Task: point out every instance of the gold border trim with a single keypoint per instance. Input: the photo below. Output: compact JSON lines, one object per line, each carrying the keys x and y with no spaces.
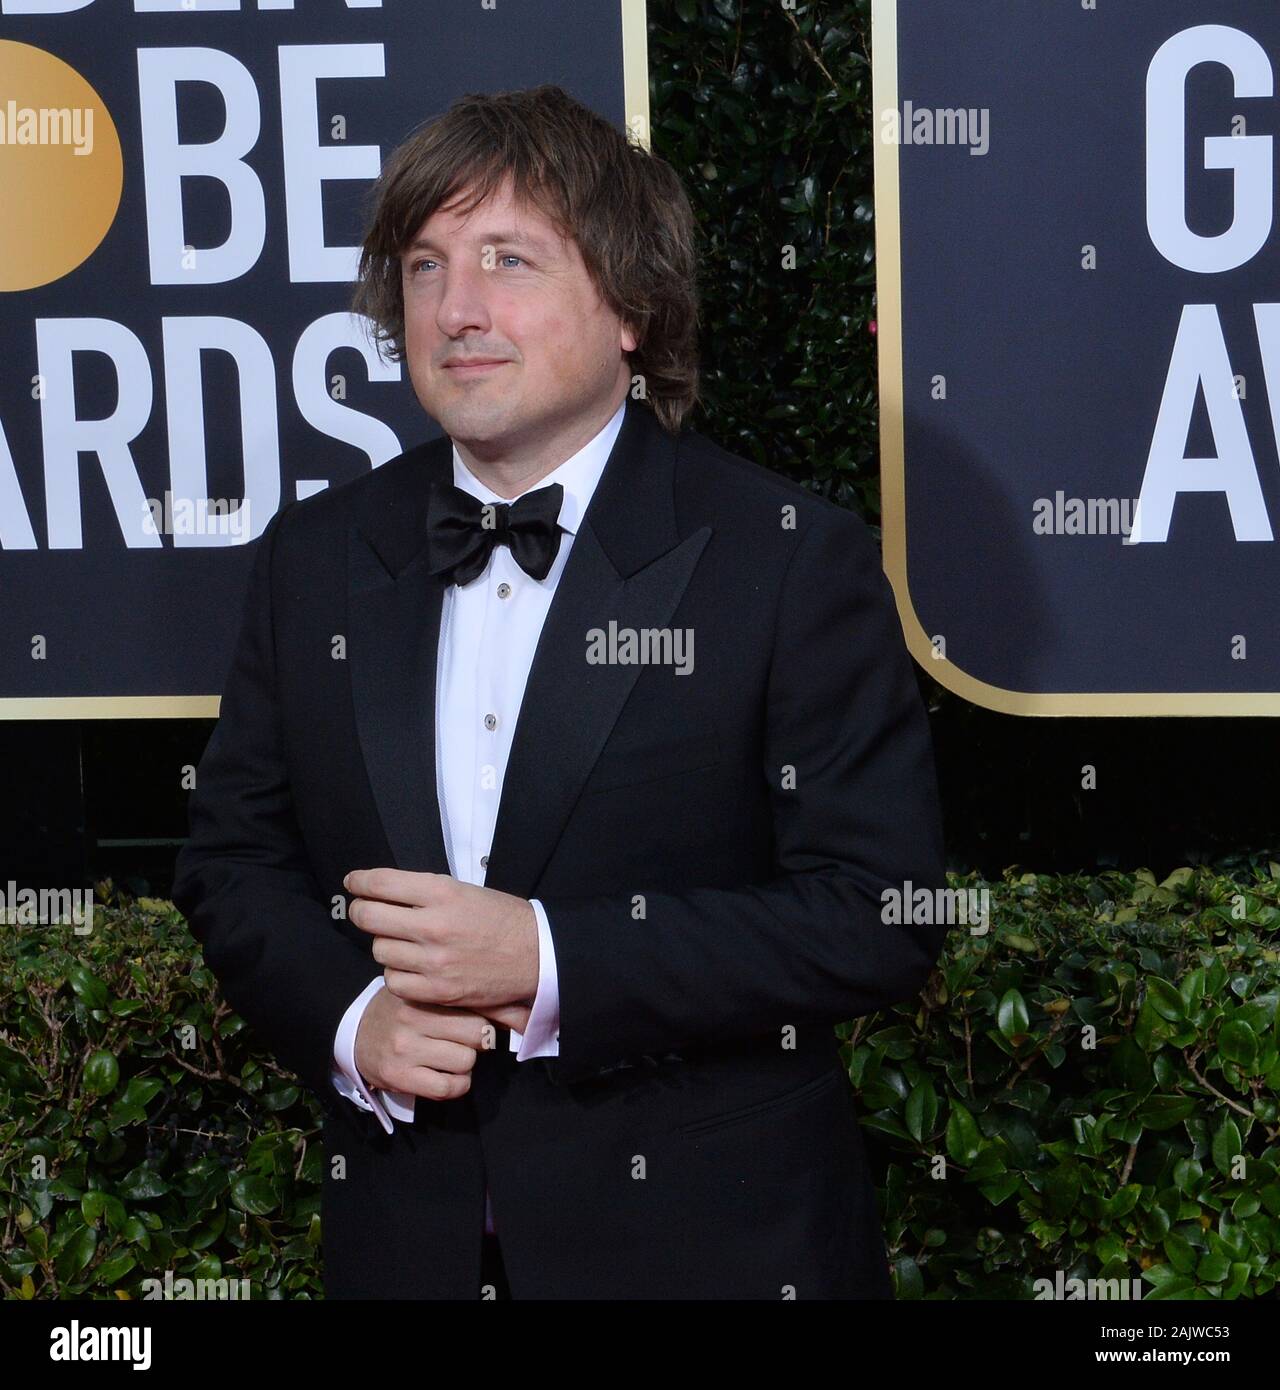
{"x":635,"y":67}
{"x":635,"y":96}
{"x":884,"y":78}
{"x":111,"y":707}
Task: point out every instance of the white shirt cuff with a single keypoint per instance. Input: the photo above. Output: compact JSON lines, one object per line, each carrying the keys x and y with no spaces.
{"x":346,"y":1077}
{"x":541,"y":1037}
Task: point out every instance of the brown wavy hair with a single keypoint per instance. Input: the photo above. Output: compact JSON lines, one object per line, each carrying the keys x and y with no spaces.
{"x":624,"y":207}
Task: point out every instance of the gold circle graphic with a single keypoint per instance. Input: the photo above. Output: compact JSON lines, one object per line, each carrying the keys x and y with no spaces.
{"x":57,"y":203}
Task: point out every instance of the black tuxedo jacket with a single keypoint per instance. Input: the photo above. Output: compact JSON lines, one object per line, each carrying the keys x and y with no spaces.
{"x":710,"y":849}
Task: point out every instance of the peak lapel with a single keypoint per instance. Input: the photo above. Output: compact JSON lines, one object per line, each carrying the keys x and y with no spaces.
{"x":393,"y":621}
{"x":627,"y":564}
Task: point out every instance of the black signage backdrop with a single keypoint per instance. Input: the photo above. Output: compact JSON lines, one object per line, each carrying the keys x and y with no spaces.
{"x":124,"y":621}
{"x":1055,"y":373}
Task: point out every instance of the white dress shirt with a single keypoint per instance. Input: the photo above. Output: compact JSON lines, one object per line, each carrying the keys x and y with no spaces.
{"x":489,"y":630}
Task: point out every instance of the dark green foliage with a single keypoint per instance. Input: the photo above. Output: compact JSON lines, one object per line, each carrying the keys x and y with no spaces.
{"x":1145,"y":1149}
{"x":167,"y":1140}
{"x":765,"y":113}
{"x":1106,"y":1162}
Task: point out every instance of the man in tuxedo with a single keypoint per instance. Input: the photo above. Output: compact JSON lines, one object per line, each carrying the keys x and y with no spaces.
{"x":563,"y":766}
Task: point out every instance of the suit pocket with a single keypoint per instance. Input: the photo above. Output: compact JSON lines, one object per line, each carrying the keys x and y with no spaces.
{"x":634,"y":760}
{"x":799,"y":1095}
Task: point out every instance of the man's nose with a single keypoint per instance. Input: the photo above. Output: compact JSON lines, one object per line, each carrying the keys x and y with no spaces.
{"x":464,"y":298}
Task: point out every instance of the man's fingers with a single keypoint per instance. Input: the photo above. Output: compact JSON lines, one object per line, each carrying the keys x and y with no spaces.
{"x":393,"y":886}
{"x":407,"y":956}
{"x":471,"y":1030}
{"x":386,"y":919}
{"x":434,"y":1068}
{"x":410,"y":986}
{"x":429,"y":1084}
{"x":458,"y":1025}
{"x":440,"y":1054}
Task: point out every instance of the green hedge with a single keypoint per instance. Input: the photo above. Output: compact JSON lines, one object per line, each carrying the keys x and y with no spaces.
{"x":765,"y":113}
{"x":1089,"y":1088}
{"x":143,"y":1131}
{"x":168,"y":1140}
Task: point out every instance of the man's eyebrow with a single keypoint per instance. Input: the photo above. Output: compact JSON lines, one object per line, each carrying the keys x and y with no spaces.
{"x":493,"y":238}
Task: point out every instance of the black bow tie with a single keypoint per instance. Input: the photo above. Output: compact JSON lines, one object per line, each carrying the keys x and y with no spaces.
{"x":463,"y":531}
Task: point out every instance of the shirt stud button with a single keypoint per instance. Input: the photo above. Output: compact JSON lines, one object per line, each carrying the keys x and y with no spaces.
{"x":491,"y":721}
{"x":504,"y":590}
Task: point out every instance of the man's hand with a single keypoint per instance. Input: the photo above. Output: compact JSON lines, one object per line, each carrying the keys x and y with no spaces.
{"x":449,"y":943}
{"x":421,"y":1049}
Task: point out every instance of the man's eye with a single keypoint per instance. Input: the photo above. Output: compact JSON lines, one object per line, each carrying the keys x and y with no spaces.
{"x":417,"y":265}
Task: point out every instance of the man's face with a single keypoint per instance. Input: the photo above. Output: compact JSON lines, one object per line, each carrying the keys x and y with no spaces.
{"x":502,"y":284}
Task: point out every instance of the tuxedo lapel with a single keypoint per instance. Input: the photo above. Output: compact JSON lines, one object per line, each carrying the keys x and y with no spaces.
{"x":394,"y":607}
{"x":627,"y":564}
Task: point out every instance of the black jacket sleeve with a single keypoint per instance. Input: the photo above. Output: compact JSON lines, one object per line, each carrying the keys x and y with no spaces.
{"x":242,"y":879}
{"x":810,"y":945}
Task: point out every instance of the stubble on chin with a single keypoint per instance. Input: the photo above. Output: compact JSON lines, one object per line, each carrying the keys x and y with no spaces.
{"x":479,"y":420}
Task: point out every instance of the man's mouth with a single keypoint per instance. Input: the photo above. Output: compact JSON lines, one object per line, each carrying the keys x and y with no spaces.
{"x":477,"y":368}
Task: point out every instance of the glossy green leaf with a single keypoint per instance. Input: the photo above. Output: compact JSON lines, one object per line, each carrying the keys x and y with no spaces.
{"x":101,"y":1073}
